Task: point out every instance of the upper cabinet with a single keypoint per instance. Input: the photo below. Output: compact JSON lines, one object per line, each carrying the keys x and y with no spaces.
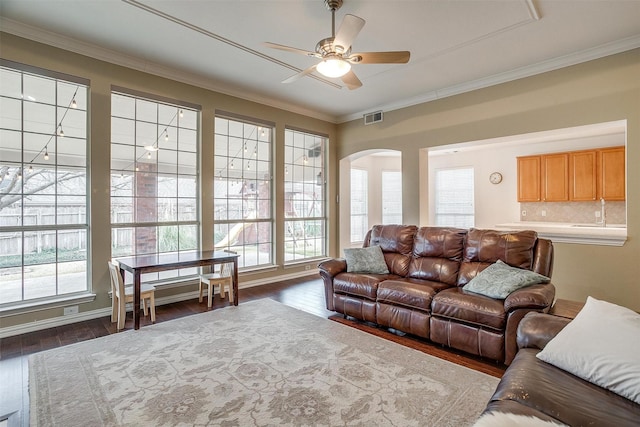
{"x":583,"y":175}
{"x":529,"y":179}
{"x":573,"y":176}
{"x":612,"y":173}
{"x":555,"y":177}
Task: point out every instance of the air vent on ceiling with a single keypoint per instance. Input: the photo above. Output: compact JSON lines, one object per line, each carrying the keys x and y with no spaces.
{"x":371,"y":118}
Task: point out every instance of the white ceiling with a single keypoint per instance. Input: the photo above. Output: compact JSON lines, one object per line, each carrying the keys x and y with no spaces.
{"x":456,"y":45}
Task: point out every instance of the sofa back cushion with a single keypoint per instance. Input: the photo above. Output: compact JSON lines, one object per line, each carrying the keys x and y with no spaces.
{"x":484,"y":247}
{"x":437,"y":253}
{"x":396,"y":242}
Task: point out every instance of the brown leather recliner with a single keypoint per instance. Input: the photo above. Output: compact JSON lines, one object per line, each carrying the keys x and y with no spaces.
{"x":423,"y":294}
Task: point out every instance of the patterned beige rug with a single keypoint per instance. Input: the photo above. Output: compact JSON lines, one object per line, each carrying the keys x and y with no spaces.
{"x":258,"y":364}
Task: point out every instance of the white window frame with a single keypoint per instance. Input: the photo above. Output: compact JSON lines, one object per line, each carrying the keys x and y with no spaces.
{"x":391,"y":197}
{"x":164,"y":150}
{"x":35,"y":146}
{"x":454,"y":197}
{"x":359,"y":209}
{"x":305,"y":227}
{"x":243,"y":189}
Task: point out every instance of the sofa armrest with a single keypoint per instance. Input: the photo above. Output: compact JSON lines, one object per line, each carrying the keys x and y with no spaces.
{"x":536,"y":297}
{"x":537,"y":329}
{"x":328,"y":270}
{"x":332,"y":267}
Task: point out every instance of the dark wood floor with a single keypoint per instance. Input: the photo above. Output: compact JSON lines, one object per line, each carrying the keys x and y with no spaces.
{"x":305,"y":294}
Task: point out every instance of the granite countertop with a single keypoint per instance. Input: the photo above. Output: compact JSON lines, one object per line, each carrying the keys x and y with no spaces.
{"x":590,"y":234}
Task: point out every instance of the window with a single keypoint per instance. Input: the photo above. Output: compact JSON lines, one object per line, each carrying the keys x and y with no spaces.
{"x":359,"y":204}
{"x":243,"y":212}
{"x":304,"y":203}
{"x":454,"y":198}
{"x":391,"y":197}
{"x":43,"y":185}
{"x":154,"y":179}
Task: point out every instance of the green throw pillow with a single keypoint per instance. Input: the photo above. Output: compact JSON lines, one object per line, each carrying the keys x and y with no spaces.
{"x":500,"y":279}
{"x":366,"y":260}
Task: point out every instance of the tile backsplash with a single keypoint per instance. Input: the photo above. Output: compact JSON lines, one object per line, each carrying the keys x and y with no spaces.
{"x":573,"y":212}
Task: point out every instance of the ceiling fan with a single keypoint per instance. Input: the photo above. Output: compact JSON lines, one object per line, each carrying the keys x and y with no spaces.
{"x":335,"y":51}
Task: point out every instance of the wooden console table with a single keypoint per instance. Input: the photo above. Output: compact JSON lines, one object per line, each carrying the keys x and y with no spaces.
{"x":566,"y":308}
{"x":161,"y":262}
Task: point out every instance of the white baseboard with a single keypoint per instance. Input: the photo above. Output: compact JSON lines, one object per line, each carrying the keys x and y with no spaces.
{"x":102,"y":312}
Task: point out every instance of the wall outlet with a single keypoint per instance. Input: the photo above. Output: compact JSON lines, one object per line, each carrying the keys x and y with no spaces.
{"x":524,"y":213}
{"x":71,"y":310}
{"x":597,"y":214}
{"x":543,"y":213}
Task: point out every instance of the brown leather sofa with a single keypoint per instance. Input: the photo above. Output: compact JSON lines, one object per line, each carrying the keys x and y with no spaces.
{"x":424,"y":295}
{"x":531,"y":387}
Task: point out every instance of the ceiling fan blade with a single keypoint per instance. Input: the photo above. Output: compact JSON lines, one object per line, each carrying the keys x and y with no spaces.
{"x":348,"y":31}
{"x":290,"y":49}
{"x":300,"y":74}
{"x":392,"y":57}
{"x":351,"y":80}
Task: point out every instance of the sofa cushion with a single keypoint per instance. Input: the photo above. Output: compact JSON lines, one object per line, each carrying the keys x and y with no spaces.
{"x":359,"y":284}
{"x":456,"y":303}
{"x":499,"y":279}
{"x":437,"y":254}
{"x":601,"y":345}
{"x":411,"y":293}
{"x":366,"y":260}
{"x":393,"y":238}
{"x":485,"y":247}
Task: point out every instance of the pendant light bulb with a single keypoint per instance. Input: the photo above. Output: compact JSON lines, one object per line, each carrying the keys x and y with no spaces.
{"x":181,"y":114}
{"x":148,"y":154}
{"x":166,"y":135}
{"x":46,"y":154}
{"x":60,"y":131}
{"x":74,"y":104}
{"x":30,"y":168}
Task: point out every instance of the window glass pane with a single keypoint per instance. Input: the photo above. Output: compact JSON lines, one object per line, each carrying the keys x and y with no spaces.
{"x":154,"y":182}
{"x":304,"y":195}
{"x":359,"y":204}
{"x":43,"y":186}
{"x":454,"y":198}
{"x":391,"y":197}
{"x":242,"y":191}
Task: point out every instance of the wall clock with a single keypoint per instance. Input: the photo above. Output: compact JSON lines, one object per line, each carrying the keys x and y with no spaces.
{"x":495,"y":178}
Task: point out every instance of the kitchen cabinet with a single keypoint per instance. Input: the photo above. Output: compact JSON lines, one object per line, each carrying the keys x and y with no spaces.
{"x":612,"y":173}
{"x":555,"y":177}
{"x":583,"y":175}
{"x":529,"y":179}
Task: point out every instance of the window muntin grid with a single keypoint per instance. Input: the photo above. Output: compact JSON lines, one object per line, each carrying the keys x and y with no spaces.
{"x":305,"y":203}
{"x":243,"y":199}
{"x":154,"y":179}
{"x":43,"y":185}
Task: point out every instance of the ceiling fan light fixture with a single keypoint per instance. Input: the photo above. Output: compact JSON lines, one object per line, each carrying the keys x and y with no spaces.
{"x":333,"y":67}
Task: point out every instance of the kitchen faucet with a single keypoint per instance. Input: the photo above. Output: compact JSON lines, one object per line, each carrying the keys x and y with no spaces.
{"x":603,"y":212}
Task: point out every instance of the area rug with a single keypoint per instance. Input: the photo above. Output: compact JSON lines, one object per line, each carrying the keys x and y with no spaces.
{"x":258,"y":364}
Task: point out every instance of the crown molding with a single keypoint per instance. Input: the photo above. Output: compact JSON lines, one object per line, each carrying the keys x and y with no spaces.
{"x":557,"y":63}
{"x":97,"y":52}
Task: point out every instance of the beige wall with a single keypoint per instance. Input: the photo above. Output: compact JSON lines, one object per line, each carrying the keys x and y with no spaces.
{"x":102,"y":75}
{"x":599,"y":91}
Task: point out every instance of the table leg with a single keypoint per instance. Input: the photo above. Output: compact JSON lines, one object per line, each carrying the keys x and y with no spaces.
{"x":136,"y":300}
{"x":235,"y":281}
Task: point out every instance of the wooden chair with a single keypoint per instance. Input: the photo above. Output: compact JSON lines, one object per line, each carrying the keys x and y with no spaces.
{"x":122,"y":294}
{"x":223,"y":278}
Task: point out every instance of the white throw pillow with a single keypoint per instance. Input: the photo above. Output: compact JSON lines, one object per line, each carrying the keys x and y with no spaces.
{"x":602,"y":346}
